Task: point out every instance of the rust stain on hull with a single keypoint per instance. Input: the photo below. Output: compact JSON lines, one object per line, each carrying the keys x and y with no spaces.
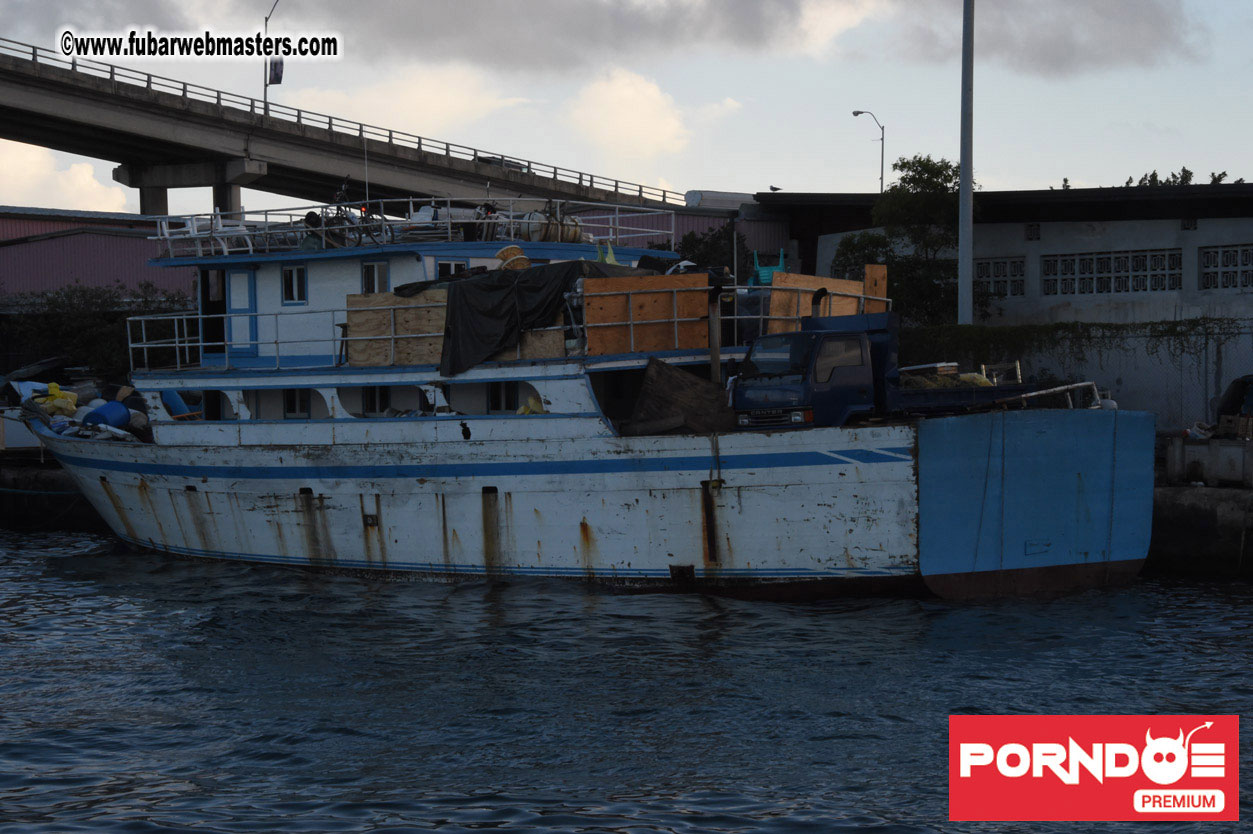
{"x":313,"y":524}
{"x":587,"y":548}
{"x":118,"y":508}
{"x":709,"y":524}
{"x":199,"y":521}
{"x":443,"y":527}
{"x":373,"y":535}
{"x":491,"y":530}
{"x":145,"y":495}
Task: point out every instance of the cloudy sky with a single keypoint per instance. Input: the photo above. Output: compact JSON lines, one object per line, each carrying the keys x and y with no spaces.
{"x":733,"y":95}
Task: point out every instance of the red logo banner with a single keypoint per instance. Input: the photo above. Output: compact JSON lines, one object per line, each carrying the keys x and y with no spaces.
{"x":1093,"y":767}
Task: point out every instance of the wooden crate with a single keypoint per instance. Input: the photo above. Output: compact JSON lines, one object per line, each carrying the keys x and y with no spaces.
{"x":536,"y":344}
{"x":798,"y":292}
{"x":791,"y":296}
{"x":365,"y":319}
{"x":876,"y":283}
{"x":605,"y":302}
{"x":414,"y":317}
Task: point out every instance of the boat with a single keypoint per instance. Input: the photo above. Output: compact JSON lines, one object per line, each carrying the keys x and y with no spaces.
{"x":462,"y":389}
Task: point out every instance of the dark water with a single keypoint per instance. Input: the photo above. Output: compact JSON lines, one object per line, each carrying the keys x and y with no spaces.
{"x":140,"y":693}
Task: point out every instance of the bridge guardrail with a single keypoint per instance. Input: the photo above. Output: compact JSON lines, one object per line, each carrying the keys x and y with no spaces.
{"x":396,"y":138}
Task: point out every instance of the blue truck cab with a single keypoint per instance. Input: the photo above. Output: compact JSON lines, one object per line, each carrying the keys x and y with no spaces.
{"x":829,"y":373}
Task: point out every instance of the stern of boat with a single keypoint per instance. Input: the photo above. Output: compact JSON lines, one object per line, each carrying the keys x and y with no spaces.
{"x":1033,"y":502}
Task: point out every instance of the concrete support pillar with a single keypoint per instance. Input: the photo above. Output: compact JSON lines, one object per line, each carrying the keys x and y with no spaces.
{"x":225,"y":177}
{"x":226,"y":198}
{"x":154,"y":200}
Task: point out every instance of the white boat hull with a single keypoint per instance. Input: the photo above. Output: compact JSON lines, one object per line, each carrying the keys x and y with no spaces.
{"x":787,"y":507}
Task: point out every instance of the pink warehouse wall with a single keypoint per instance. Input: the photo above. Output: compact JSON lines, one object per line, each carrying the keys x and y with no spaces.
{"x":91,"y":259}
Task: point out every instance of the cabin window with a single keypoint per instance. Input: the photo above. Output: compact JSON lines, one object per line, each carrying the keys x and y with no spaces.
{"x":295,"y":285}
{"x":836,"y":353}
{"x":296,"y":404}
{"x":216,"y":286}
{"x":513,"y":398}
{"x":374,"y":277}
{"x":375,"y":400}
{"x":502,"y":397}
{"x":217,"y":406}
{"x":492,"y":398}
{"x":449,"y":268}
{"x":387,"y":401}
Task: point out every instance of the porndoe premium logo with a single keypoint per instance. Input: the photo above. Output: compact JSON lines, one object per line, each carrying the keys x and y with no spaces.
{"x":1093,"y":767}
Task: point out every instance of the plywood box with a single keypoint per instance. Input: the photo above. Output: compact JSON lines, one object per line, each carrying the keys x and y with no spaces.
{"x":791,"y":297}
{"x":423,"y":314}
{"x":650,"y":318}
{"x":536,"y":344}
{"x":876,"y":284}
{"x":399,"y":329}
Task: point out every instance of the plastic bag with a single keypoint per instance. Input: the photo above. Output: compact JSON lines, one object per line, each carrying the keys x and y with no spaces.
{"x":58,"y":402}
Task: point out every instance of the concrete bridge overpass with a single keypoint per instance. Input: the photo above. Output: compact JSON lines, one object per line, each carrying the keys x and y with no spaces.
{"x":166,"y":134}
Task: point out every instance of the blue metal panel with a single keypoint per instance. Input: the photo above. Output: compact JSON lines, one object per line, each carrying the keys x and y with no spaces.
{"x":1032,"y":489}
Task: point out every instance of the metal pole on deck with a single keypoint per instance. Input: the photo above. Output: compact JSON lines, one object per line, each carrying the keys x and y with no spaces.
{"x":965,"y":210}
{"x":715,"y":326}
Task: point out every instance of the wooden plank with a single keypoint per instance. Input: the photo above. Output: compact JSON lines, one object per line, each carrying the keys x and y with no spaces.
{"x":536,"y":344}
{"x":791,"y":297}
{"x":652,"y":311}
{"x":876,"y":283}
{"x":365,"y":319}
{"x":412,"y":319}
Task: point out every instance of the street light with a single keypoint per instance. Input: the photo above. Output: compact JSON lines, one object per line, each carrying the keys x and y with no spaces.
{"x":876,"y":121}
{"x":265,"y":66}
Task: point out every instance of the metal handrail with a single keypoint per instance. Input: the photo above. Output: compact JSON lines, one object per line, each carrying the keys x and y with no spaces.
{"x":188,"y":340}
{"x":386,"y":221}
{"x":334,"y":124}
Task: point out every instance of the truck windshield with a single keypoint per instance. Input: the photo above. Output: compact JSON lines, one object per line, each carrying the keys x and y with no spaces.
{"x":784,"y":355}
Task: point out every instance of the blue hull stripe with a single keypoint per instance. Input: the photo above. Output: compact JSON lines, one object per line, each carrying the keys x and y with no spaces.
{"x":522,"y":570}
{"x":615,"y":465}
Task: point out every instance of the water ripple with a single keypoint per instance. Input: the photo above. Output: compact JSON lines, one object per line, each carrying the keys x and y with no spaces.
{"x":142,"y":693}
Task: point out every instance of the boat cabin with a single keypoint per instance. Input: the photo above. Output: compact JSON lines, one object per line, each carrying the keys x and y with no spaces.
{"x":391,"y":310}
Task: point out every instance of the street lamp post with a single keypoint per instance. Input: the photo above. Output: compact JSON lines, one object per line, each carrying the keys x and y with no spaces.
{"x":965,"y":205}
{"x":265,"y":65}
{"x":881,"y":143}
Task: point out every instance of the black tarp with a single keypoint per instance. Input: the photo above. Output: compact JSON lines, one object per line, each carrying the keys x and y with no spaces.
{"x":487,"y":313}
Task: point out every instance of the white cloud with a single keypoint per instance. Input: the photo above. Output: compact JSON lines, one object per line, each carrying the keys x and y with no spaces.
{"x":717,"y":110}
{"x":627,"y":116}
{"x":422,"y":99}
{"x":822,"y":21}
{"x":34,"y":177}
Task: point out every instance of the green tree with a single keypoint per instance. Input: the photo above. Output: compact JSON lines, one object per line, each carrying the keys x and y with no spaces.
{"x":712,"y":249}
{"x":87,"y":325}
{"x":918,"y":214}
{"x":858,"y":249}
{"x":1181,"y":177}
{"x":919,"y":210}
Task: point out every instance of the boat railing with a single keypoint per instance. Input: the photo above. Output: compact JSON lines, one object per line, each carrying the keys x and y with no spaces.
{"x":334,"y":125}
{"x":384,"y":222}
{"x":1071,"y":393}
{"x":327,"y":338}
